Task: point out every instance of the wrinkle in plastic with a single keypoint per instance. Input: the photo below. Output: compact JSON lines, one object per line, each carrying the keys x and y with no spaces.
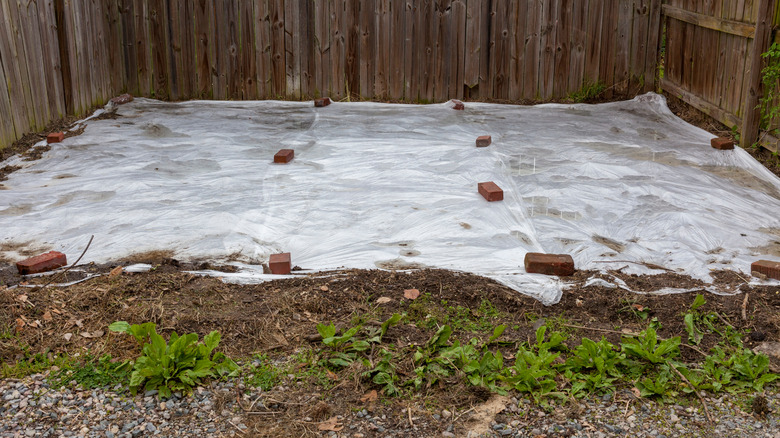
{"x":395,"y":187}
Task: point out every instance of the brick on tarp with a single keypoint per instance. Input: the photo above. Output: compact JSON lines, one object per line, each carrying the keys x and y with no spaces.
{"x":549,"y":264}
{"x":280,"y":263}
{"x":490,"y":191}
{"x":767,"y":267}
{"x":322,"y":101}
{"x":722,"y":143}
{"x":484,"y":141}
{"x":122,"y":99}
{"x":284,"y":156}
{"x":42,"y":263}
{"x":55,"y":137}
{"x":457,"y":105}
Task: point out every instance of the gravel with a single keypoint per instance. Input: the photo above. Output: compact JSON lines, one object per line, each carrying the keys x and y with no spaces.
{"x":30,"y":408}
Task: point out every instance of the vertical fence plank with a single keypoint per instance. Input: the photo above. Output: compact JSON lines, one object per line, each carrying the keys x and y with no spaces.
{"x":548,"y":46}
{"x":473,"y":34}
{"x":279,"y":82}
{"x":175,"y":42}
{"x":608,"y":46}
{"x":640,"y":11}
{"x":248,"y":51}
{"x":383,"y":41}
{"x":159,"y":49}
{"x":234,"y":72}
{"x":485,"y":47}
{"x":352,"y":47}
{"x":30,"y":32}
{"x":339,"y":35}
{"x":577,"y":44}
{"x":366,"y":52}
{"x":7,"y":131}
{"x":322,"y":49}
{"x":429,"y":60}
{"x":500,"y":51}
{"x":458,"y":40}
{"x":188,"y":49}
{"x":531,"y":48}
{"x":306,"y":24}
{"x":144,"y":60}
{"x":128,"y":48}
{"x":205,"y":39}
{"x":292,"y":41}
{"x":263,"y":48}
{"x":47,"y":14}
{"x":653,"y":43}
{"x":623,"y":49}
{"x":562,"y":29}
{"x":397,"y":43}
{"x":411,"y":62}
{"x":751,"y":119}
{"x":516,"y":24}
{"x":441,"y":16}
{"x":591,"y":74}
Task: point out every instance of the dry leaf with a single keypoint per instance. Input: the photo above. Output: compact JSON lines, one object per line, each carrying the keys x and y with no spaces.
{"x":370,"y":396}
{"x":35,"y":324}
{"x":67,"y":336}
{"x":636,"y":392}
{"x":332,"y":375}
{"x":114,"y":272}
{"x":411,"y":294}
{"x":331,"y":424}
{"x":324,"y":288}
{"x":95,"y":334}
{"x":22,"y":298}
{"x":79,"y":322}
{"x":56,"y":310}
{"x":383,"y":300}
{"x":47,"y":316}
{"x":19,"y":324}
{"x":638,"y":307}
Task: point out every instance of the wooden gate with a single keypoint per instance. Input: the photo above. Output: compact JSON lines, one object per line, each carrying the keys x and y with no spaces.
{"x":712,"y":59}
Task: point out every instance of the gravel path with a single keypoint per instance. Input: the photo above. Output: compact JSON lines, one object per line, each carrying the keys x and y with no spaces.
{"x":31,"y":408}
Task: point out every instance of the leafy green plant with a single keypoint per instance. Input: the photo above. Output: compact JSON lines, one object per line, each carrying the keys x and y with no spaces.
{"x":770,"y":77}
{"x":533,"y":371}
{"x":691,"y":318}
{"x":647,"y":347}
{"x":178,"y":365}
{"x":594,"y":366}
{"x":344,"y":350}
{"x":589,"y":90}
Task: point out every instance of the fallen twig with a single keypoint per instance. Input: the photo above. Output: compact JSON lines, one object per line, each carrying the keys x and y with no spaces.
{"x":600,"y":330}
{"x":744,"y":307}
{"x":55,"y":276}
{"x":409,"y":411}
{"x":464,"y":413}
{"x":706,"y":411}
{"x":695,"y":349}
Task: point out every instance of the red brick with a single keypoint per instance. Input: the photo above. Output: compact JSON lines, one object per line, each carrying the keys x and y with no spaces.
{"x":722,"y":143}
{"x":483,"y":141}
{"x":322,"y":101}
{"x":284,"y":156}
{"x":122,"y":99}
{"x":280,"y":263}
{"x":458,"y":105}
{"x":767,"y":267}
{"x":55,"y":137}
{"x":490,"y":191}
{"x":42,"y":263}
{"x":549,"y":264}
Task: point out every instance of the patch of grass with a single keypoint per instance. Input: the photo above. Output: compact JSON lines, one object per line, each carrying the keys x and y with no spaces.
{"x":33,"y":364}
{"x":261,"y":373}
{"x":93,"y":373}
{"x":589,"y":91}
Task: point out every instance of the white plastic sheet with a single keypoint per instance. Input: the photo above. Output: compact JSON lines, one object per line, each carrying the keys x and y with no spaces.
{"x":395,"y":186}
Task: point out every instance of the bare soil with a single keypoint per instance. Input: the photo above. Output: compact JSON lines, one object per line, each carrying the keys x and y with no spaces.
{"x":279,"y":318}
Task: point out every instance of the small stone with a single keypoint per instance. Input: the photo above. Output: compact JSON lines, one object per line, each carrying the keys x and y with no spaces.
{"x":446,"y":414}
{"x":448,"y":434}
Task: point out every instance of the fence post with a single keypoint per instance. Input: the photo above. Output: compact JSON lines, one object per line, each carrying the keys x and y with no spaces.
{"x":751,"y":117}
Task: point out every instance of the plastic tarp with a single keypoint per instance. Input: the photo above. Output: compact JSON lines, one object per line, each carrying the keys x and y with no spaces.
{"x":394,"y":186}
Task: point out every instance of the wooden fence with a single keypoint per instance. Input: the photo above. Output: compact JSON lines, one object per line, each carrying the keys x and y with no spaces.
{"x":713,"y":58}
{"x":66,"y":56}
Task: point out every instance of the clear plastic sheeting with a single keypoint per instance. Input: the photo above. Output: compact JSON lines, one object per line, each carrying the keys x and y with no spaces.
{"x":395,"y":187}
